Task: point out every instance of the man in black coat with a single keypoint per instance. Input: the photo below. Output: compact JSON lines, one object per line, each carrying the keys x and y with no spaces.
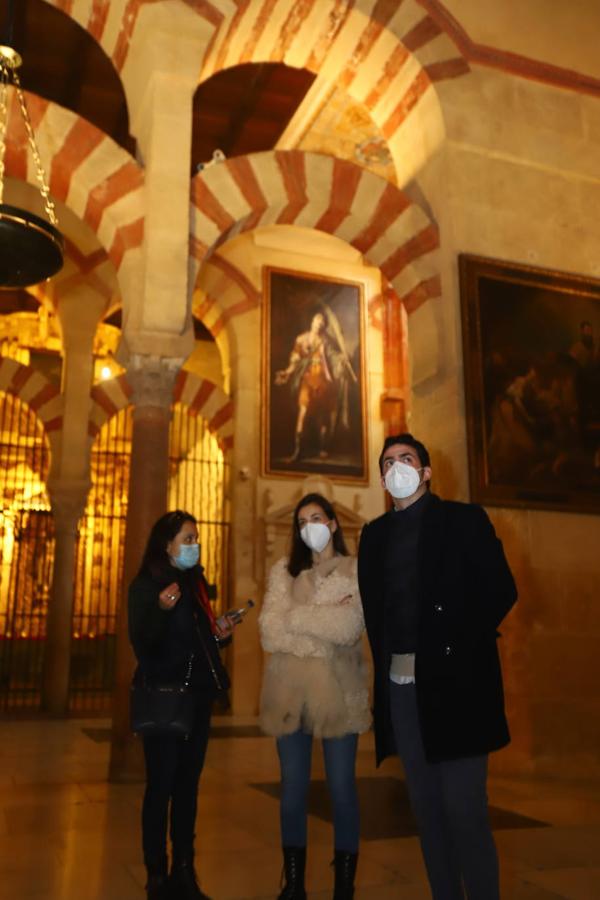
{"x":435,"y":586}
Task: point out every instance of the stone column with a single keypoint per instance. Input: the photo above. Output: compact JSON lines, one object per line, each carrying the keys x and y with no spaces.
{"x":68,"y":503}
{"x":79,"y":312}
{"x":152,"y":380}
{"x":393,"y":399}
{"x":245,"y":654}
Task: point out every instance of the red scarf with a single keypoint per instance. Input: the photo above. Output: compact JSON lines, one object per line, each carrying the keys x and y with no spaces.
{"x":206,"y":606}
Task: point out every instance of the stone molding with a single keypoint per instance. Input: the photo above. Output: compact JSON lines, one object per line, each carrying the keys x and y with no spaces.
{"x":152,"y":379}
{"x":68,"y":500}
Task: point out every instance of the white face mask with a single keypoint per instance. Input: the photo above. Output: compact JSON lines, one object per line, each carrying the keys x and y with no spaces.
{"x":315,"y":535}
{"x":402,"y":481}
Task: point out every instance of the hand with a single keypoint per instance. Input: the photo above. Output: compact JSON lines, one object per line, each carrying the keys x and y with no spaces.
{"x":169,"y":596}
{"x":282,"y":376}
{"x":225,"y":626}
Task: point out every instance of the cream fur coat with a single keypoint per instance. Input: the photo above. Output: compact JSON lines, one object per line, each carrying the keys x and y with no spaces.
{"x":315,"y":678}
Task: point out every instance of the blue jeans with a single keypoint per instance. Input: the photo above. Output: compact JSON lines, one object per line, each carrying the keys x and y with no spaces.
{"x":295,"y":751}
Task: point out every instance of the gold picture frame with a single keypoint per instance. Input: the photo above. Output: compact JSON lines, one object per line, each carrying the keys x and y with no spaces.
{"x":313,"y":377}
{"x":532,"y":385}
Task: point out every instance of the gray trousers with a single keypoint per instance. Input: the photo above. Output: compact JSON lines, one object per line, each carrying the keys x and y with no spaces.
{"x":449,"y":802}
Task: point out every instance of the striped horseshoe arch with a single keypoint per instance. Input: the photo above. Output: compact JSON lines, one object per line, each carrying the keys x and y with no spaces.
{"x":87,"y":171}
{"x":225,"y":292}
{"x":112,"y":22}
{"x":386,"y":55}
{"x":35,"y":390}
{"x":200,"y":396}
{"x":316,"y":191}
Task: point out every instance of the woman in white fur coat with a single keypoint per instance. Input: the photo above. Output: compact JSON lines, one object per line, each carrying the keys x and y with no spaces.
{"x":315,"y":685}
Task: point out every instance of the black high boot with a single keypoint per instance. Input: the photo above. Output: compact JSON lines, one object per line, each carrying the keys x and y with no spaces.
{"x":345,"y":870}
{"x":182,"y":881}
{"x":157,"y":884}
{"x":294,"y":864}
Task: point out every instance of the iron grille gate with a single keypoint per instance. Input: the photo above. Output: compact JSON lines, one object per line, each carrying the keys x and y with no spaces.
{"x":197,"y":482}
{"x":99,"y":567}
{"x":27,"y":553}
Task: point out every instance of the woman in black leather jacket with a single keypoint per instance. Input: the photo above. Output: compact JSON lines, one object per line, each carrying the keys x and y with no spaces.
{"x":170,"y":620}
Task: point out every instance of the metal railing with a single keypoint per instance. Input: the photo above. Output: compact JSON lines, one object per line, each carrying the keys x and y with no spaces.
{"x":27,"y":553}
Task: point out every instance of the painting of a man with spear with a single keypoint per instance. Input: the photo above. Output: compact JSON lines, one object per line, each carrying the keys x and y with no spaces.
{"x":321,"y":378}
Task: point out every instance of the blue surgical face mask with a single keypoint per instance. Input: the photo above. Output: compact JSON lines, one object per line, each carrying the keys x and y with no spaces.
{"x":187,"y":557}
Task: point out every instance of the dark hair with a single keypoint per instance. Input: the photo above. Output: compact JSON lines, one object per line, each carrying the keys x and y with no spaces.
{"x":155,"y":561}
{"x":410,"y":441}
{"x":300,"y":554}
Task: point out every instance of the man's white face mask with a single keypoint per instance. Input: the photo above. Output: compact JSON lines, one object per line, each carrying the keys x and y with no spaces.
{"x":315,"y":535}
{"x":402,"y":481}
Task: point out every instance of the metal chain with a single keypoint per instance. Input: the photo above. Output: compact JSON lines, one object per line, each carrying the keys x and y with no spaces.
{"x":3,"y":124}
{"x":41,"y":175}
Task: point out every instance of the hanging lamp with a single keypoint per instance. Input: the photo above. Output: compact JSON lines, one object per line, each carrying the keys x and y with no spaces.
{"x":31,"y":248}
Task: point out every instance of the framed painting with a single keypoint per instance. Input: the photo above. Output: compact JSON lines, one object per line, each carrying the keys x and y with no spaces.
{"x":532,"y":385}
{"x":314,"y":408}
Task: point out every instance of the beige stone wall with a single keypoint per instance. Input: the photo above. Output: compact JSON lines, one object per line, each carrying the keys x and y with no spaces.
{"x":519,"y":180}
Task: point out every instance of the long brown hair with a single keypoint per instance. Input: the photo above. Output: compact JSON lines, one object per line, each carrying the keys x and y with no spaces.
{"x":300,"y":554}
{"x":155,"y":561}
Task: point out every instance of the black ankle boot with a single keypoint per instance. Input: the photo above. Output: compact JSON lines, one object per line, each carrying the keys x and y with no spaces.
{"x":345,"y":870}
{"x":157,"y":884}
{"x":182,"y":881}
{"x":294,"y":864}
{"x":157,"y":887}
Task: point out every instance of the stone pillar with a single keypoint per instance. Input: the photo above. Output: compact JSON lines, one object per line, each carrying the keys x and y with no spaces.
{"x":68,"y":503}
{"x":152,"y":380}
{"x":393,"y":399}
{"x":157,"y":316}
{"x":79,"y":312}
{"x":245,"y":654}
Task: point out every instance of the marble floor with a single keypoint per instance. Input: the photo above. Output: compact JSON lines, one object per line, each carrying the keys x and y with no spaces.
{"x":65,"y":834}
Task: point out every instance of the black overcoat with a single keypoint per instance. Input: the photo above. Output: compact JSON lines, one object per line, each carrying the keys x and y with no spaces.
{"x":464,"y":589}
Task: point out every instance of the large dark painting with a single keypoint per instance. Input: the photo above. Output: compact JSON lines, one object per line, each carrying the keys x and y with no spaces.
{"x":532,"y":382}
{"x":313,"y":377}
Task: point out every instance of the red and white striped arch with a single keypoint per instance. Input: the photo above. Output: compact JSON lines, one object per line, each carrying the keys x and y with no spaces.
{"x":316,"y":191}
{"x":200,"y":396}
{"x":35,"y":390}
{"x":112,"y":22}
{"x":303,"y":34}
{"x":93,"y":270}
{"x":87,"y":171}
{"x":205,"y":399}
{"x":385,"y":54}
{"x":224,"y":292}
{"x":108,"y":398}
